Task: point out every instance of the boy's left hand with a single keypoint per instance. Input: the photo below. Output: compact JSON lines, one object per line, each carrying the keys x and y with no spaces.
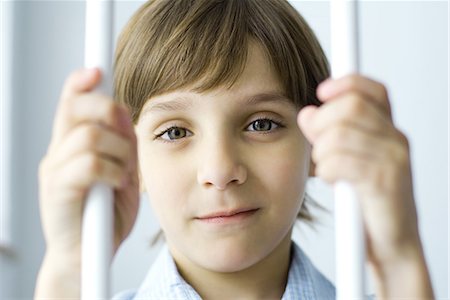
{"x":354,"y":139}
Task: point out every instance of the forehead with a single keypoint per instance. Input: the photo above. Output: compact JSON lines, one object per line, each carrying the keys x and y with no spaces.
{"x":258,"y":72}
{"x":258,"y":78}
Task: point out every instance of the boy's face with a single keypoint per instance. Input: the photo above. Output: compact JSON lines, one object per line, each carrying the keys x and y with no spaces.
{"x":227,"y":180}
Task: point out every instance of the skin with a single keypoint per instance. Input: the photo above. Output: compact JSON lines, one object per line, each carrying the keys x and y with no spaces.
{"x":218,"y":161}
{"x":88,"y":145}
{"x":354,"y":139}
{"x":222,"y":163}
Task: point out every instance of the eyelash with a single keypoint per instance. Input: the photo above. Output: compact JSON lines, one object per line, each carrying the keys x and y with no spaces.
{"x":277,"y":123}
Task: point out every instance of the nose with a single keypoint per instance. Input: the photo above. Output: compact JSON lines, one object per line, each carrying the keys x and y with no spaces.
{"x":220,"y":165}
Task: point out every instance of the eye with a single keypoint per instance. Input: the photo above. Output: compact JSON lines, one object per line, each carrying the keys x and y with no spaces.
{"x":263,"y":124}
{"x":174,"y":133}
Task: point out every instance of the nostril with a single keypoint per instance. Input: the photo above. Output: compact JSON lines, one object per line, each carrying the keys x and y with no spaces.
{"x":221,"y":175}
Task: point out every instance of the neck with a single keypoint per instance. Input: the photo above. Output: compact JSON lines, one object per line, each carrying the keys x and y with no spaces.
{"x":266,"y":279}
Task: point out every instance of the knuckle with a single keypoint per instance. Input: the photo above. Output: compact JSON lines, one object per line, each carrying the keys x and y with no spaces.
{"x":328,"y":143}
{"x":338,"y":134}
{"x":382,"y":90}
{"x":400,"y":154}
{"x":353,"y":81}
{"x":93,"y":164}
{"x":127,"y":149}
{"x":403,"y":139}
{"x":356,"y":105}
{"x":129,"y":142}
{"x":91,"y":134}
{"x":111,"y":111}
{"x":399,"y":150}
{"x":116,"y":175}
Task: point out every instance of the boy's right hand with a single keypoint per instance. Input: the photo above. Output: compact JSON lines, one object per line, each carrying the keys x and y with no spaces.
{"x":93,"y":141}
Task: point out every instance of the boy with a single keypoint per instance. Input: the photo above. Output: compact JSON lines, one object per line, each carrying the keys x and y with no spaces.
{"x":224,"y":103}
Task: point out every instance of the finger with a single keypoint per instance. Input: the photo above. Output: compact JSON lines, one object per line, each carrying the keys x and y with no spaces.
{"x":91,"y":108}
{"x":81,"y":81}
{"x":87,"y":168}
{"x":369,"y":177}
{"x":350,"y":109}
{"x":304,"y":118}
{"x":346,"y":138}
{"x":94,"y":138}
{"x":373,"y":90}
{"x":344,"y":165}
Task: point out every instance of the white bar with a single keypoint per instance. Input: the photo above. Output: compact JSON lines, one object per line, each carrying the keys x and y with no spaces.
{"x":349,"y":234}
{"x":350,"y":248}
{"x":6,"y":113}
{"x":97,"y":228}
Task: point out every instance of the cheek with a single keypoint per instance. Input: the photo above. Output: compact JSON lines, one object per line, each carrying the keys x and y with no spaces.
{"x":166,"y":182}
{"x":161,"y":170}
{"x":285,"y":175}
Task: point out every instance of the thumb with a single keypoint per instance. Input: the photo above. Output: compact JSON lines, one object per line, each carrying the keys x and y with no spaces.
{"x":304,"y":120}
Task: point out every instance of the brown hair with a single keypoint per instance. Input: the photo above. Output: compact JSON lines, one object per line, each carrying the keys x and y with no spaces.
{"x":171,"y":44}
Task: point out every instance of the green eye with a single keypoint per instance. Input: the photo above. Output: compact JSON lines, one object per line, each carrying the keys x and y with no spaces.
{"x":174,"y":133}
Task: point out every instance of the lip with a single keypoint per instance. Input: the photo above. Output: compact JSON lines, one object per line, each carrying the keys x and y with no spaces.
{"x":230,"y":216}
{"x":227,"y":213}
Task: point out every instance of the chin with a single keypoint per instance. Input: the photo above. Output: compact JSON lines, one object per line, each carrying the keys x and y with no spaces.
{"x":230,"y":256}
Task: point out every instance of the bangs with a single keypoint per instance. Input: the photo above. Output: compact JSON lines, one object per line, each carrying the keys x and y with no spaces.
{"x":204,"y":48}
{"x":204,"y":44}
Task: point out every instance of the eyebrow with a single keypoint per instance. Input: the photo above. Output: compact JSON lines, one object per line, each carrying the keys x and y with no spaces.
{"x":184,"y":103}
{"x":267,"y":98}
{"x":178,"y":103}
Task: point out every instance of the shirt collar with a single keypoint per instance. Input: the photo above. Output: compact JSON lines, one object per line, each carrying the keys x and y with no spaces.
{"x":304,"y":280}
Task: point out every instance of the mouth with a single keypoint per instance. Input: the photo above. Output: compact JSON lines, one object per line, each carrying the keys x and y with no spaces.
{"x":225,"y":217}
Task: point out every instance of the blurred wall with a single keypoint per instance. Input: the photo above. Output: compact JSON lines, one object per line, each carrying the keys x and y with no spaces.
{"x":404,"y":44}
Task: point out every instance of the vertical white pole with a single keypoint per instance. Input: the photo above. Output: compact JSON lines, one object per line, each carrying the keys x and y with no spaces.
{"x":97,"y":228}
{"x":6,"y":142}
{"x":350,"y":247}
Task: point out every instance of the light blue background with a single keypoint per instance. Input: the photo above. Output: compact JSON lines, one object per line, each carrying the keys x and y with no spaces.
{"x":404,"y":44}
